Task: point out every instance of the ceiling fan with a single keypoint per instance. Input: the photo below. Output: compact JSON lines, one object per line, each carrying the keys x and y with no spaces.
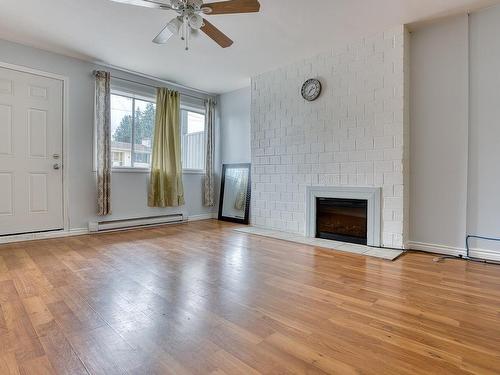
{"x":189,"y":17}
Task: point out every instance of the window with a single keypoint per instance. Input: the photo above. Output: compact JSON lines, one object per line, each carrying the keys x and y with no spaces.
{"x":132,"y":126}
{"x":193,"y":139}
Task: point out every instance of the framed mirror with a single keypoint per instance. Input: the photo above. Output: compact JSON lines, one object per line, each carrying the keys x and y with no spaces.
{"x":234,"y":204}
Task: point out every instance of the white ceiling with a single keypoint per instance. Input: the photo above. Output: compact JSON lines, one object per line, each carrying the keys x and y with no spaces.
{"x":284,"y":31}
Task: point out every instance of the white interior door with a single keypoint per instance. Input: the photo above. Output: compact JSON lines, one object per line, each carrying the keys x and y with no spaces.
{"x":31,"y":117}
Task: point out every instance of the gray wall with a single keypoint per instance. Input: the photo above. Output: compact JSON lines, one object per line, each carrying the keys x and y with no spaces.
{"x":484,"y":143}
{"x":235,"y":126}
{"x":439,"y":126}
{"x":455,"y":130}
{"x":129,"y":190}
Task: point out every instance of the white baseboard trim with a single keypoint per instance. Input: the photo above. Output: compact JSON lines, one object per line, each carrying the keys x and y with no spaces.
{"x":438,"y":249}
{"x":43,"y":235}
{"x":202,"y":217}
{"x":485,"y":254}
{"x":455,"y":251}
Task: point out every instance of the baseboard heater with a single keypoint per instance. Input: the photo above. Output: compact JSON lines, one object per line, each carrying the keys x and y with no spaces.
{"x":101,"y":226}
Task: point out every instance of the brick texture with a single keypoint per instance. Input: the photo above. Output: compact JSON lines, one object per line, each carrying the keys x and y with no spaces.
{"x":355,"y":134}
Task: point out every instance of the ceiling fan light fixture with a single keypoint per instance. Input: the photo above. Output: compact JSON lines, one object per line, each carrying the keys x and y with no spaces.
{"x":175,"y":25}
{"x":196,"y":4}
{"x":172,"y":28}
{"x":195,"y":21}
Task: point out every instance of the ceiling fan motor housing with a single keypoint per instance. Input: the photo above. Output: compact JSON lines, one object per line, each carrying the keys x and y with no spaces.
{"x":176,"y":4}
{"x":180,"y":5}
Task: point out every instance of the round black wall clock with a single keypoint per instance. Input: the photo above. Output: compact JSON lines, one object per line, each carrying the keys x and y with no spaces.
{"x":311,"y":89}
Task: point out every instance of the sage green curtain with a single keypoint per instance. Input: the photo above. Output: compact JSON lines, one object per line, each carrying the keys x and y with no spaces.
{"x":165,"y":186}
{"x":102,"y":119}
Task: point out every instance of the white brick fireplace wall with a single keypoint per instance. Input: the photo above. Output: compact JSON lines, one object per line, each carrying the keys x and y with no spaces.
{"x":355,"y":134}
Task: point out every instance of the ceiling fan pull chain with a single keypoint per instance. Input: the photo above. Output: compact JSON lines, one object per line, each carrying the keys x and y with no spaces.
{"x":183,"y":29}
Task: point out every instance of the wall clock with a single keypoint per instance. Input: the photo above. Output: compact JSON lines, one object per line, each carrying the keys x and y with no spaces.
{"x":311,"y":89}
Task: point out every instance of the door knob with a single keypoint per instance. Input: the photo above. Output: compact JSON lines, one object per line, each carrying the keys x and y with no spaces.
{"x":55,"y":156}
{"x":56,"y":166}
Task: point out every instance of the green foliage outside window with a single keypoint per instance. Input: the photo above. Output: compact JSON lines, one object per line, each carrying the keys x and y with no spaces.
{"x":144,"y":125}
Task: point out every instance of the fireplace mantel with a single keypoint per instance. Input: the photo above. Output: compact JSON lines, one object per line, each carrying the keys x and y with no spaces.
{"x":370,"y":194}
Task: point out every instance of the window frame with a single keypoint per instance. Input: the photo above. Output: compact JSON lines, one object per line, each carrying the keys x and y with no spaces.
{"x":134,"y":97}
{"x":201,"y":111}
{"x":131,"y":94}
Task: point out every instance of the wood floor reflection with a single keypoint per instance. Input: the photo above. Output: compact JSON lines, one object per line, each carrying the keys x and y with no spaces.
{"x":200,"y":298}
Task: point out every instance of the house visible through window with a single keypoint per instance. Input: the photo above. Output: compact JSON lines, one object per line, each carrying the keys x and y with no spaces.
{"x":193,"y":139}
{"x":132,"y":127}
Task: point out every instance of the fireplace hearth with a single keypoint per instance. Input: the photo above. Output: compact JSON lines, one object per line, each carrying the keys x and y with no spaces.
{"x":342,"y":219}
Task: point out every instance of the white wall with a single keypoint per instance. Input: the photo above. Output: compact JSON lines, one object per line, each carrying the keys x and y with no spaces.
{"x":439,"y":134}
{"x":484,"y":143}
{"x":352,"y":135}
{"x":129,"y":190}
{"x":235,"y":126}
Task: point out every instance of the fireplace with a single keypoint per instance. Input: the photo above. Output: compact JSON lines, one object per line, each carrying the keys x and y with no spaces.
{"x":342,"y":219}
{"x":344,"y":214}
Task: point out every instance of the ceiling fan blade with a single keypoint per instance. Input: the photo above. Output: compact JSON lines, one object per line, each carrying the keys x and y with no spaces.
{"x":218,"y":36}
{"x":232,"y":6}
{"x":168,"y":31}
{"x":145,"y":3}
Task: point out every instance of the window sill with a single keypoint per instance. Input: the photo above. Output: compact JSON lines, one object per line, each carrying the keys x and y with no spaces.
{"x":131,"y":170}
{"x":193,"y":171}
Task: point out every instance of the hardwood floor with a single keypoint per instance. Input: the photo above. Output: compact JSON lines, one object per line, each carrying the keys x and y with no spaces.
{"x":201,"y":298}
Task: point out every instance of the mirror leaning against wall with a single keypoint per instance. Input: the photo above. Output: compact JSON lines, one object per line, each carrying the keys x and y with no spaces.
{"x":235,"y":190}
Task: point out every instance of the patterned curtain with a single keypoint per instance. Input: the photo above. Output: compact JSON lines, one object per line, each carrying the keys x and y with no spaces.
{"x":103,"y":135}
{"x":209,"y":182}
{"x":165,"y":185}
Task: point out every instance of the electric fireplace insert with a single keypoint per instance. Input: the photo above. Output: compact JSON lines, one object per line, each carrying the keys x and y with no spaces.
{"x":342,"y":220}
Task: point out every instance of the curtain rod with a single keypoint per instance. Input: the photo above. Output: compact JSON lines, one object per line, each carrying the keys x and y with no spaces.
{"x":153,"y":78}
{"x":155,"y":87}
